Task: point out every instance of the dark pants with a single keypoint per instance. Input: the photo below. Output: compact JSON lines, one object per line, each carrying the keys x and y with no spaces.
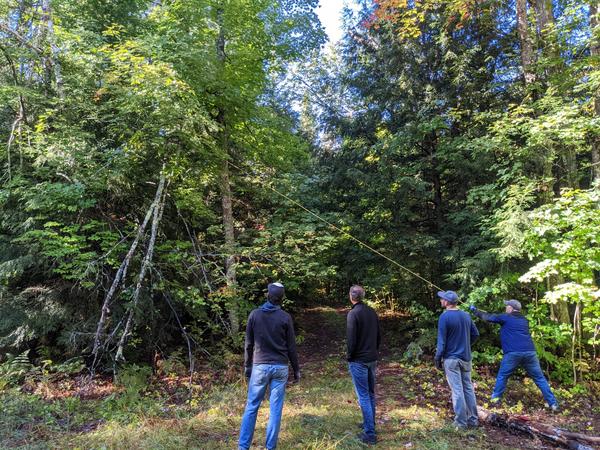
{"x":363,"y":377}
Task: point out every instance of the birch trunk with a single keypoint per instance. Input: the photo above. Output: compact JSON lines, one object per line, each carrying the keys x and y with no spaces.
{"x":121,"y":275}
{"x":157,"y":216}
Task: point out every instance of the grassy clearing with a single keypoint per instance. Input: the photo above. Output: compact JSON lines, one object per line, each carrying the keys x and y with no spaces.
{"x":320,"y":412}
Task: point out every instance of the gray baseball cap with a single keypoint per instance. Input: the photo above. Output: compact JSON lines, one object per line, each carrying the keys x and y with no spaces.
{"x":516,"y":305}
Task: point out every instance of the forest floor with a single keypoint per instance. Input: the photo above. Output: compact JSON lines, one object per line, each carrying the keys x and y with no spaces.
{"x":320,"y":412}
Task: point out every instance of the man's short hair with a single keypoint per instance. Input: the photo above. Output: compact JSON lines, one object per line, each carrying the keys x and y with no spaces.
{"x":357,"y":293}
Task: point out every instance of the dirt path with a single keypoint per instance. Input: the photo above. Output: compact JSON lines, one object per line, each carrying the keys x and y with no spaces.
{"x":419,"y":388}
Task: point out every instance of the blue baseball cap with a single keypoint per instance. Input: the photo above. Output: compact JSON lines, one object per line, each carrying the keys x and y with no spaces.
{"x":449,"y":296}
{"x":275,"y":291}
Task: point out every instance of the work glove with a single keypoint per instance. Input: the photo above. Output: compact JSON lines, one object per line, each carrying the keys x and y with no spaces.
{"x":297,"y":376}
{"x":248,"y":372}
{"x":472,"y":308}
{"x":438,"y":363}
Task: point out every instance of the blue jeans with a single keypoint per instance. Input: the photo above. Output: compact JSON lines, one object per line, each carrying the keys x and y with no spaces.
{"x":263,"y":375}
{"x":458,"y":374}
{"x":363,"y":377}
{"x":529,"y":361}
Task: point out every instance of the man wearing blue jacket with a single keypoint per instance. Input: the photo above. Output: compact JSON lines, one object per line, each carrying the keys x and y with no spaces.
{"x":270,"y":345}
{"x":518,"y":350}
{"x":456,"y":332}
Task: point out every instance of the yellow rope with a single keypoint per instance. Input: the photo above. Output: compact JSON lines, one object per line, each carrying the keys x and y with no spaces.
{"x":364,"y":244}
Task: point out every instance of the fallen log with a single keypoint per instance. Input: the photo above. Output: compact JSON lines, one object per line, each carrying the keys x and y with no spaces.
{"x":524,"y":425}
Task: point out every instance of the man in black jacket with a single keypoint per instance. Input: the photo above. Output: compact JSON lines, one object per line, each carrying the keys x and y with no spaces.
{"x":363,"y":339}
{"x":270,"y":344}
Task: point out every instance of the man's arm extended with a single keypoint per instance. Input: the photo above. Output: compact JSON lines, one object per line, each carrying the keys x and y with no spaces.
{"x":494,"y":318}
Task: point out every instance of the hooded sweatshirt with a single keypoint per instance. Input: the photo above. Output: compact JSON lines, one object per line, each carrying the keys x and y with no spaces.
{"x":270,"y":337}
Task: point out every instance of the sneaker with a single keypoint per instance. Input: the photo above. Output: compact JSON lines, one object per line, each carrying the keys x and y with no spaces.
{"x":495,"y":401}
{"x":555,"y":408}
{"x":362,"y":437}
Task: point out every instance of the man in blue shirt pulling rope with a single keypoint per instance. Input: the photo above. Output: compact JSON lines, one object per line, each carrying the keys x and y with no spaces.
{"x":518,"y":350}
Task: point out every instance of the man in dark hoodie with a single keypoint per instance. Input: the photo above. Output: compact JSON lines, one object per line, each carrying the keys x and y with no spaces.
{"x":363,"y":339}
{"x":518,"y":350}
{"x":270,"y":344}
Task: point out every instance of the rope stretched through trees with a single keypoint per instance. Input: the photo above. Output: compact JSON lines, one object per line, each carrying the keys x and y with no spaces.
{"x":364,"y":244}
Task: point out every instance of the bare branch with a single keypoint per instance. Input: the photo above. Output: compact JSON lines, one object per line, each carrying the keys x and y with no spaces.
{"x":4,"y":27}
{"x":158,"y":211}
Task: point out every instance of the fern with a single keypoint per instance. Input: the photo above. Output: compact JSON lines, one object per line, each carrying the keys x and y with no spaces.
{"x":14,"y":369}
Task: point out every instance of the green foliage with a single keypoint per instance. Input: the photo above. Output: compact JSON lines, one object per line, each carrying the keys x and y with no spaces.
{"x":417,"y":136}
{"x":126,"y":405}
{"x":71,"y":366}
{"x":118,"y":95}
{"x":563,"y":237}
{"x":13,"y":369}
{"x":413,"y":353}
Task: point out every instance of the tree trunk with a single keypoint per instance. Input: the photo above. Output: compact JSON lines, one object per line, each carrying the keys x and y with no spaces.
{"x":595,"y":52}
{"x":120,"y":276}
{"x":527,"y":53}
{"x":159,"y":205}
{"x":548,"y":433}
{"x":230,"y":260}
{"x":53,"y":60}
{"x":544,"y":15}
{"x":226,"y":197}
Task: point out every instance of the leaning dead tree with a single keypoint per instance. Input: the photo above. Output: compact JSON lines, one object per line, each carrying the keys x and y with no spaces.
{"x":157,"y":216}
{"x":102,"y":338}
{"x":524,"y":425}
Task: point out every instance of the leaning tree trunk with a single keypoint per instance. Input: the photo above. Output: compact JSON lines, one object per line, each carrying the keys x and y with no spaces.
{"x":100,"y":339}
{"x":156,"y":217}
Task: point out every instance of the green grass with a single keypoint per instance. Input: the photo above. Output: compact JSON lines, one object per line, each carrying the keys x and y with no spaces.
{"x":320,"y":412}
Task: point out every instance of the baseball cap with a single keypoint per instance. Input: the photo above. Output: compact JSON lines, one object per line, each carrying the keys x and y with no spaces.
{"x":516,"y":305}
{"x":275,"y":291}
{"x":449,"y":296}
